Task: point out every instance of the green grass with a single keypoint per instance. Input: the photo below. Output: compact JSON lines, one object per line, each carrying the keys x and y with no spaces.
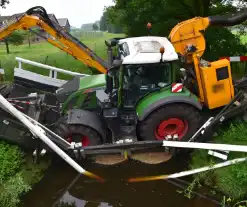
{"x":48,"y":54}
{"x":17,"y":174}
{"x":231,"y":180}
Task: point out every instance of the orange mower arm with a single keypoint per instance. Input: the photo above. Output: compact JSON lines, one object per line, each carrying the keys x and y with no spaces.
{"x":190,"y":32}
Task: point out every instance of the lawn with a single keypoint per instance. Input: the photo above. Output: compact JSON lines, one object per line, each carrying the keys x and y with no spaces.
{"x":48,"y":54}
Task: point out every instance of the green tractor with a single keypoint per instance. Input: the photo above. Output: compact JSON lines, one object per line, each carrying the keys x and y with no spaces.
{"x":136,"y":100}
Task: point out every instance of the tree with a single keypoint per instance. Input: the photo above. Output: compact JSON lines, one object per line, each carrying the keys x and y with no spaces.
{"x":16,"y":38}
{"x":95,"y":27}
{"x":103,"y":22}
{"x":3,"y":3}
{"x":165,"y":14}
{"x":110,"y":21}
{"x":31,"y":34}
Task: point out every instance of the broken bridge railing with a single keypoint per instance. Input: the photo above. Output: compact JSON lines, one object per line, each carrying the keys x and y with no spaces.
{"x":53,"y":70}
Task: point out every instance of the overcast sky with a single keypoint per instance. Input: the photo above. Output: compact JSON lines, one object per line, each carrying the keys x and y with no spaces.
{"x":77,"y":11}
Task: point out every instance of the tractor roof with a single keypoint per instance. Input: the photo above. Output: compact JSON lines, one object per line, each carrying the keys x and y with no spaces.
{"x":144,"y":50}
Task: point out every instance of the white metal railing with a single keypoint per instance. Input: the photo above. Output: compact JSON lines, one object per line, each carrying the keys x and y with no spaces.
{"x":53,"y":70}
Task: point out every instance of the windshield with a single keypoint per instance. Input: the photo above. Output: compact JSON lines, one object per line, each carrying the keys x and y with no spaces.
{"x":148,"y":75}
{"x":155,"y":73}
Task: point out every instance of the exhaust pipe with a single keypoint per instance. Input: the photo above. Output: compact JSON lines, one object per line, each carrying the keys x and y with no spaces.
{"x":228,"y":20}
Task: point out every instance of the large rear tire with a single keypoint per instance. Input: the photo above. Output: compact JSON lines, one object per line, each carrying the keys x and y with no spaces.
{"x":181,"y":119}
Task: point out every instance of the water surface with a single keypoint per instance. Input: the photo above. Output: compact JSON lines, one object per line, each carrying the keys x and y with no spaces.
{"x":61,"y":184}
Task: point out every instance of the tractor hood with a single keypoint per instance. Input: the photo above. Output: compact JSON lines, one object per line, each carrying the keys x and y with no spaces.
{"x":78,"y":84}
{"x":92,"y":81}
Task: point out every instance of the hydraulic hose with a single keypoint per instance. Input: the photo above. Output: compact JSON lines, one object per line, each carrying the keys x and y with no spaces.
{"x":228,"y":20}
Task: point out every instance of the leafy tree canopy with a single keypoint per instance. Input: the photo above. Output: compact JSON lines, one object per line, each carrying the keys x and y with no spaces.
{"x":95,"y":27}
{"x":133,"y":15}
{"x":17,"y":38}
{"x":3,"y":3}
{"x":106,"y":23}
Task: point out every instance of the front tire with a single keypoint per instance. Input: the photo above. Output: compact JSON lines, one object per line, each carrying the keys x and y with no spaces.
{"x":78,"y":133}
{"x":181,"y":119}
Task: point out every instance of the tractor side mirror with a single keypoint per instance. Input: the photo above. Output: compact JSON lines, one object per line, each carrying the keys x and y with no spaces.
{"x":111,"y":42}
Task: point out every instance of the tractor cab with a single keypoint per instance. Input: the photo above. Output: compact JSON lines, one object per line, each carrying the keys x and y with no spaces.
{"x":139,"y":78}
{"x":144,"y":65}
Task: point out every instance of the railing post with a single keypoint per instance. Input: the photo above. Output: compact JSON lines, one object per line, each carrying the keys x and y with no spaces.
{"x":20,"y":64}
{"x":53,"y":74}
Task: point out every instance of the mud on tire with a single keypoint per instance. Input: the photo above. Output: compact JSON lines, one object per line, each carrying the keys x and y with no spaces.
{"x":189,"y":114}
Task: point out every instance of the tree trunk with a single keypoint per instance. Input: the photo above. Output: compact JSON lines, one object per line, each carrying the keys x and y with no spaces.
{"x":7,"y":46}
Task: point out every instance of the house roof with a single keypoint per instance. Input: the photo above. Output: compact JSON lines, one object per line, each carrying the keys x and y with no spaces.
{"x":2,"y":18}
{"x":51,"y":16}
{"x":62,"y":21}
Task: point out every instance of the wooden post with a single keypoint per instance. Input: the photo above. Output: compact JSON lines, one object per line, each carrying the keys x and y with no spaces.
{"x":7,"y":45}
{"x":29,"y":41}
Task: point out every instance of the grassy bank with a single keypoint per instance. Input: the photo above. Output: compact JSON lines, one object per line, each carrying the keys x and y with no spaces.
{"x":231,"y":181}
{"x":17,"y":172}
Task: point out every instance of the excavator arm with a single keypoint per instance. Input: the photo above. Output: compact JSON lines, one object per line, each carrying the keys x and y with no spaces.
{"x":37,"y":17}
{"x":188,"y":34}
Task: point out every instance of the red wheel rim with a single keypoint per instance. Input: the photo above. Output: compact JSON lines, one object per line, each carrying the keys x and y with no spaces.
{"x":172,"y":126}
{"x":83,"y":139}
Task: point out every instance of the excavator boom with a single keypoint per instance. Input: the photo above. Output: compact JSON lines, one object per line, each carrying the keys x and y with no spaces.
{"x":37,"y":17}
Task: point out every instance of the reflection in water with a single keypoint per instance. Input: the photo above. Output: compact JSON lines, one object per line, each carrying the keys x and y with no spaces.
{"x":70,"y":201}
{"x":62,"y":187}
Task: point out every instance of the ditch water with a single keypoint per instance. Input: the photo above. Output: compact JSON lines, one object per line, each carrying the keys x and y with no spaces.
{"x":61,"y":186}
